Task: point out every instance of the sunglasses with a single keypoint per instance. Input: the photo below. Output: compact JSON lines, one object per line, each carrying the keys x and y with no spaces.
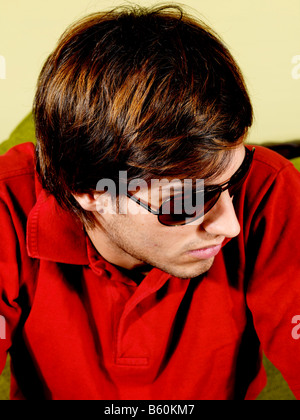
{"x":209,"y":195}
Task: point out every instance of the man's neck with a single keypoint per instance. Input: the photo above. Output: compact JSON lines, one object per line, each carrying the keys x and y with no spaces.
{"x":132,"y":268}
{"x":137,"y":274}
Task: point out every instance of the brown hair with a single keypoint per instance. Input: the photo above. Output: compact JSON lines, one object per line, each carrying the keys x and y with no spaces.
{"x":153,"y":92}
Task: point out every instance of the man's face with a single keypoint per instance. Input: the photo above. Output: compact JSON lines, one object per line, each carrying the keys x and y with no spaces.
{"x":137,"y":240}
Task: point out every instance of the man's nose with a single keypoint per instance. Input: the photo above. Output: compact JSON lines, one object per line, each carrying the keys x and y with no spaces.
{"x":221,"y":219}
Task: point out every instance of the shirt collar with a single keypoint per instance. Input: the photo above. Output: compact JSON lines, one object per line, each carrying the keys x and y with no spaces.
{"x":54,"y":234}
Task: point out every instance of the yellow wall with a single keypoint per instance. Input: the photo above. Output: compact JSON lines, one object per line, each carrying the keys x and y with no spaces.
{"x":264,"y":37}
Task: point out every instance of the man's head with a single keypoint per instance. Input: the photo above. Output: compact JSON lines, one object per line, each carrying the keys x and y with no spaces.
{"x":154,"y":93}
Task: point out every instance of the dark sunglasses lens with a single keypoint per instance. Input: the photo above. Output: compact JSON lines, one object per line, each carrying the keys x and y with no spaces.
{"x":235,"y":188}
{"x":210,"y":199}
{"x":173,"y":212}
{"x":172,"y":219}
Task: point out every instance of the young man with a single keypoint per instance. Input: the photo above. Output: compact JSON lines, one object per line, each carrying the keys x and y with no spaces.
{"x":118,"y":294}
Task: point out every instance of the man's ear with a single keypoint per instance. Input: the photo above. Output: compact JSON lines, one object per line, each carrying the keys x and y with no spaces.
{"x":88,"y":201}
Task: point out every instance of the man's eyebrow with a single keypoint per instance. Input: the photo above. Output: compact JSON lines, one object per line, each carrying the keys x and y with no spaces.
{"x":164,"y":192}
{"x":171,"y":188}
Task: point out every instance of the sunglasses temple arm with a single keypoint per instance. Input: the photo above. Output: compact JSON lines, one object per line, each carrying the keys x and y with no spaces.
{"x":144,"y":205}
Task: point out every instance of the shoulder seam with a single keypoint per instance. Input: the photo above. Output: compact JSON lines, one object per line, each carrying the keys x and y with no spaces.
{"x":288,"y":164}
{"x":15,"y":173}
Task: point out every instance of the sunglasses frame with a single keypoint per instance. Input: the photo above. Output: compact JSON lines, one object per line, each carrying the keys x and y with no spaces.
{"x":240,"y":175}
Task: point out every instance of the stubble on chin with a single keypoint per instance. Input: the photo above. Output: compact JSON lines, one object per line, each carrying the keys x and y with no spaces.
{"x":189,"y":272}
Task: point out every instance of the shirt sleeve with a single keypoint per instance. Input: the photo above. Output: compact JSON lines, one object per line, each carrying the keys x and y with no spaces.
{"x":9,"y":283}
{"x":273,"y":269}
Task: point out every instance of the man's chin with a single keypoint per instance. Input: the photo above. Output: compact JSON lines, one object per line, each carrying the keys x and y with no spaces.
{"x":192,"y":270}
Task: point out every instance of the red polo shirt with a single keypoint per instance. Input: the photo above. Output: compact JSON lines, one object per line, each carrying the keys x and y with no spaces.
{"x":78,"y":328}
